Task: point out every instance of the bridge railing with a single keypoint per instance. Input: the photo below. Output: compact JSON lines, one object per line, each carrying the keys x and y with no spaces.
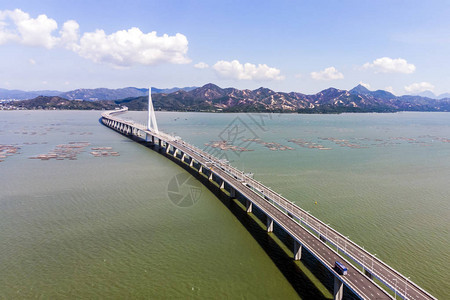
{"x":364,"y":258}
{"x":341,"y":242}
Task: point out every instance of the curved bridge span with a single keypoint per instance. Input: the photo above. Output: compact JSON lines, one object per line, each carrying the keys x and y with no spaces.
{"x":323,"y":242}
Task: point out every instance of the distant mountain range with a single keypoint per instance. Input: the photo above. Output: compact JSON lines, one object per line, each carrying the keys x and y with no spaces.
{"x":430,"y":94}
{"x":87,"y":94}
{"x":21,"y":95}
{"x":212,"y":98}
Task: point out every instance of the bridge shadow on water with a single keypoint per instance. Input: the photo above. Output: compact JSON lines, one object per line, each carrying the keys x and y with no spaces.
{"x":309,"y":278}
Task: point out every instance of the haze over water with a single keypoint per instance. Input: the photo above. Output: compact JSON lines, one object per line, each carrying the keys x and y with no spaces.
{"x":105,"y":227}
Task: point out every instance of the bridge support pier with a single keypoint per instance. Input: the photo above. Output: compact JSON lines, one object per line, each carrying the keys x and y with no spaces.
{"x":201,"y":169}
{"x":222,"y":185}
{"x":153,"y":139}
{"x":338,"y":289}
{"x":248,"y":206}
{"x":210,"y":176}
{"x":191,"y":163}
{"x":269,"y":223}
{"x":232,"y":192}
{"x":297,"y":250}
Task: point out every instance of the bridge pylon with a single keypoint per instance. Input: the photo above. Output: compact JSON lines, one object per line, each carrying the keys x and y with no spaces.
{"x":151,"y":122}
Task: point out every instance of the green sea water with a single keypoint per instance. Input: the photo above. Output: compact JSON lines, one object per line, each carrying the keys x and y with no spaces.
{"x":105,"y":227}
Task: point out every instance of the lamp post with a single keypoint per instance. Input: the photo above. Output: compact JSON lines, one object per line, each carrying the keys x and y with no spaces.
{"x":395,"y":289}
{"x":362,"y":262}
{"x":373,"y":257}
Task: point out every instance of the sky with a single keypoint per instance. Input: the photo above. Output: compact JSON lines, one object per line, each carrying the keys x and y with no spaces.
{"x":287,"y":46}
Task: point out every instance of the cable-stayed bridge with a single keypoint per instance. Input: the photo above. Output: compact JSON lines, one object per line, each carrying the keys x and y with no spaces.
{"x":325,"y":243}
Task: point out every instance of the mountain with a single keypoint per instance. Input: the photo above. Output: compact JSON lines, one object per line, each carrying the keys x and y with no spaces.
{"x":88,"y":94}
{"x":21,"y":95}
{"x":104,"y":94}
{"x":444,"y":96}
{"x":55,"y":102}
{"x":115,"y":94}
{"x":359,"y":89}
{"x":428,"y":94}
{"x":210,"y":97}
{"x":378,"y":94}
{"x":171,"y":90}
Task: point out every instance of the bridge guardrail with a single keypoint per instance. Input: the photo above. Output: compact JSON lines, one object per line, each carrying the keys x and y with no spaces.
{"x":294,"y":211}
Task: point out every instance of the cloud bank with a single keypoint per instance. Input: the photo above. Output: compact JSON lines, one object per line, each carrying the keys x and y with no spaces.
{"x":328,"y":74}
{"x":122,"y":48}
{"x":201,"y":65}
{"x":235,"y":70}
{"x":390,"y":65}
{"x":419,"y":87}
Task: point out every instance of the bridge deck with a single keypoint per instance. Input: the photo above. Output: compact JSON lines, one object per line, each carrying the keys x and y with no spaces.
{"x":295,"y":220}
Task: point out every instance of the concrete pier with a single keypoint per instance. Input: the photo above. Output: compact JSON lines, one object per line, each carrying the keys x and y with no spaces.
{"x":338,"y":289}
{"x":248,"y":206}
{"x":269,"y":223}
{"x":297,"y":250}
{"x":232,"y":192}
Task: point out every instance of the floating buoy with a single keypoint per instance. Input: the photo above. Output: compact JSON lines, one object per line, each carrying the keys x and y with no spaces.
{"x":315,"y":203}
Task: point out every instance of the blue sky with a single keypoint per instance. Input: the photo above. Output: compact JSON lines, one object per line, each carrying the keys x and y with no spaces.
{"x":302,"y":46}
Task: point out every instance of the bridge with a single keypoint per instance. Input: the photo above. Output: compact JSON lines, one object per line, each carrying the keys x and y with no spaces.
{"x":325,"y":243}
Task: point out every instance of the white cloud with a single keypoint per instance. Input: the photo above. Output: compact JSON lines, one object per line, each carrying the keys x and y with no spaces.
{"x":122,"y":48}
{"x":32,"y":61}
{"x":366,"y":85}
{"x":390,"y":65}
{"x":129,"y":47}
{"x":328,"y":74}
{"x":70,"y":35}
{"x":18,"y":26}
{"x":390,"y":89}
{"x":419,"y":87}
{"x":201,"y":65}
{"x":235,"y":70}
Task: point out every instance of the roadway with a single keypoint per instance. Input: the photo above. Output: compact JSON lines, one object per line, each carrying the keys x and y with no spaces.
{"x":355,"y":279}
{"x":278,"y":208}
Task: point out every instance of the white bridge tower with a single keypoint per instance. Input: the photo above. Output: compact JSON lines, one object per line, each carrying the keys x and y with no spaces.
{"x":151,"y":124}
